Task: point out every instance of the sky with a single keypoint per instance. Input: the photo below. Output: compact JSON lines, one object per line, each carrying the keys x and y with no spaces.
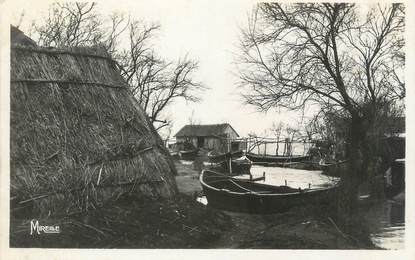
{"x":207,"y":31}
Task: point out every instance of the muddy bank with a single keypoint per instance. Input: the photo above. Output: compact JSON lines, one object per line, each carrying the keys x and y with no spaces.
{"x":132,"y":222}
{"x":296,"y":229}
{"x":183,"y":223}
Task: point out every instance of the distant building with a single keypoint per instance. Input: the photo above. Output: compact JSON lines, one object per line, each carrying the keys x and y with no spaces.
{"x":395,"y":126}
{"x":212,"y":137}
{"x":396,"y":138}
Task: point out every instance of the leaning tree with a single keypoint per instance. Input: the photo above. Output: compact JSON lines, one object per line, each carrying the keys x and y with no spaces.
{"x":343,"y":57}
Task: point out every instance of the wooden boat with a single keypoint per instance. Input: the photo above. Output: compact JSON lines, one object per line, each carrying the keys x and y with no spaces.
{"x":395,"y":178}
{"x":257,"y":158}
{"x":233,"y":194}
{"x":240,"y":166}
{"x":188,"y":154}
{"x":174,"y":154}
{"x":218,"y":158}
{"x":333,"y":169}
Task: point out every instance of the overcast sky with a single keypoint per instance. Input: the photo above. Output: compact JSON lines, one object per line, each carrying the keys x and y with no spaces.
{"x":208,"y":31}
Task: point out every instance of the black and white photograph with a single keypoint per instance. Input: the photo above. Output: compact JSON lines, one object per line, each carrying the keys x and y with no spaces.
{"x":206,"y":125}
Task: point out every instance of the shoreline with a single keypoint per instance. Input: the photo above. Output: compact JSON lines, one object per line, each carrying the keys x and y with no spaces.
{"x":184,"y":223}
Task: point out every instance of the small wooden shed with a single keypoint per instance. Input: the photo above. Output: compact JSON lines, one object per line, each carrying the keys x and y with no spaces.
{"x":212,"y":137}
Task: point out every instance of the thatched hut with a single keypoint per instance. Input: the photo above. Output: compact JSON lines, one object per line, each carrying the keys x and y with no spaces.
{"x":78,"y":137}
{"x":18,"y":37}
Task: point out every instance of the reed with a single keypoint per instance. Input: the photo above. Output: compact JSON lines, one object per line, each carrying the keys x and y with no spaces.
{"x":78,"y":137}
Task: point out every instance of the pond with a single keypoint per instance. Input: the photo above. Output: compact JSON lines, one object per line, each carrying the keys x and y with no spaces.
{"x":388,"y":224}
{"x":295,"y":178}
{"x":387,"y":218}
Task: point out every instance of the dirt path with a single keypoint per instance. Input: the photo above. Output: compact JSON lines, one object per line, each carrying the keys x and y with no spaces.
{"x":187,"y":179}
{"x":245,"y":228}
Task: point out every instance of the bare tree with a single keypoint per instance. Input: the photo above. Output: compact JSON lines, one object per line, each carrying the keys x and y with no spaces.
{"x":277,"y":130}
{"x":293,"y":55}
{"x":70,"y":24}
{"x":154,"y":81}
{"x":192,"y":120}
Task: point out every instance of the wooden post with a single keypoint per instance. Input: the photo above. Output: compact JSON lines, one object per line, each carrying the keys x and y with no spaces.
{"x":285,"y":182}
{"x":257,"y":144}
{"x":265,"y":149}
{"x":276,"y":149}
{"x":304,"y":147}
{"x":230,"y":156}
{"x":246,"y":144}
{"x":285,"y":147}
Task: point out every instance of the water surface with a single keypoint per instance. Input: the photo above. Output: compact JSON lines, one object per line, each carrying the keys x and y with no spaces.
{"x":295,"y":178}
{"x":388,"y":220}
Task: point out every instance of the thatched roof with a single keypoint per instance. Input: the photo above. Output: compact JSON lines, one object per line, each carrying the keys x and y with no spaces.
{"x":78,"y":136}
{"x":204,"y":130}
{"x":18,"y":37}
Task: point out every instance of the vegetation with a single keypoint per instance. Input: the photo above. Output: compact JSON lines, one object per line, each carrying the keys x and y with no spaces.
{"x":347,"y":62}
{"x":78,"y":137}
{"x":154,"y":81}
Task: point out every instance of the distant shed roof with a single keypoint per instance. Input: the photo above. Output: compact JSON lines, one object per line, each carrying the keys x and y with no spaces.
{"x":204,"y":130}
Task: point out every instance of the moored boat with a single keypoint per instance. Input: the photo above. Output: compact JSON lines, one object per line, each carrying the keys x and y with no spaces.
{"x":188,"y":154}
{"x":218,"y":158}
{"x":334,"y":168}
{"x":239,"y":166}
{"x":174,"y":154}
{"x":258,"y":158}
{"x":234,"y":194}
{"x":395,"y":178}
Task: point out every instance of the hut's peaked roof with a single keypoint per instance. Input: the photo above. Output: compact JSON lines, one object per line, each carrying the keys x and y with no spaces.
{"x":204,"y":130}
{"x":18,"y":37}
{"x":78,"y":136}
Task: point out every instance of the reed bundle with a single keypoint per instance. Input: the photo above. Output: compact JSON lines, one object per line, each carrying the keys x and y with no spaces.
{"x":78,"y":137}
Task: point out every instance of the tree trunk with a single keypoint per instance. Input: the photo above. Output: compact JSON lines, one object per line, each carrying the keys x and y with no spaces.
{"x":352,"y":177}
{"x":374,"y":157}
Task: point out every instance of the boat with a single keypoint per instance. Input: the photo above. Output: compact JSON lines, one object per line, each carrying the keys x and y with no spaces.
{"x":333,"y":168}
{"x":218,"y":158}
{"x":395,"y":178}
{"x":239,"y":166}
{"x":174,"y":154}
{"x":258,"y":158}
{"x":188,"y":154}
{"x":227,"y":193}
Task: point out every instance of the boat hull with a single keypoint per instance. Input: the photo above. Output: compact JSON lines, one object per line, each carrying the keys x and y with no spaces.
{"x":224,"y":157}
{"x":188,"y":155}
{"x":238,"y":167}
{"x":257,"y":203}
{"x":256,"y":158}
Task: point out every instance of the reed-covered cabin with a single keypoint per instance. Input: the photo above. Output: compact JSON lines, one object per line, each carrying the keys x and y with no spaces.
{"x":211,"y":137}
{"x":78,"y":137}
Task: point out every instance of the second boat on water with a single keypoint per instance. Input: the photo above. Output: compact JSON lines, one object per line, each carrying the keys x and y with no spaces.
{"x":257,"y":158}
{"x":188,"y":154}
{"x":218,"y":158}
